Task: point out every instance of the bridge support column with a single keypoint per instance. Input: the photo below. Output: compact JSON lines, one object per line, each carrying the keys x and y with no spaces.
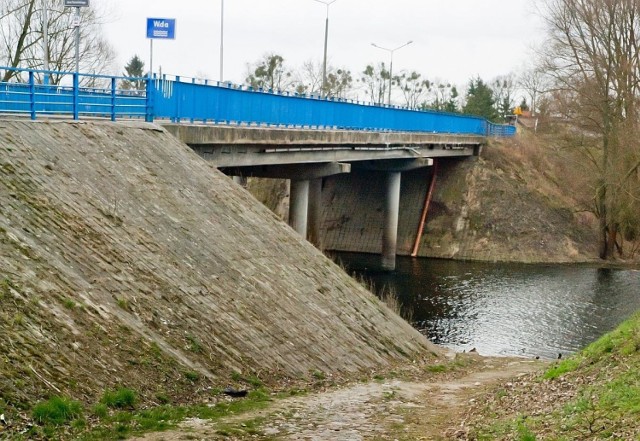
{"x":241,"y":181}
{"x":315,"y":211}
{"x":299,"y":205}
{"x":391,"y":211}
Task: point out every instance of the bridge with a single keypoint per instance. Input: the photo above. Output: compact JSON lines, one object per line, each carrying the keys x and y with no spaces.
{"x":264,"y":133}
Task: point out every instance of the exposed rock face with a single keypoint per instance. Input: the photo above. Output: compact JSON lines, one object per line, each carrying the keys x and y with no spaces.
{"x":501,"y":208}
{"x":504,"y":206}
{"x":126,"y":259}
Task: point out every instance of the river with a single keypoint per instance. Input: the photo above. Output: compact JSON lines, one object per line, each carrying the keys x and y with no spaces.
{"x":506,"y":309}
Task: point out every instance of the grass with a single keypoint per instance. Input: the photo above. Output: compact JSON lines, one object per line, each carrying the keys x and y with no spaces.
{"x":604,"y":383}
{"x":192,"y":376}
{"x":56,"y":411}
{"x":194,"y":345}
{"x":123,"y":303}
{"x":5,"y":286}
{"x":121,"y":398}
{"x":437,"y":368}
{"x":116,"y":418}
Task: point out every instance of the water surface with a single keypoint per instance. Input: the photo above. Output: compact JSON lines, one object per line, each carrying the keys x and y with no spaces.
{"x":507,"y":309}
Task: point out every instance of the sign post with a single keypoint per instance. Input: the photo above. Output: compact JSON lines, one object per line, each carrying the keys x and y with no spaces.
{"x":159,"y":28}
{"x":76,"y":24}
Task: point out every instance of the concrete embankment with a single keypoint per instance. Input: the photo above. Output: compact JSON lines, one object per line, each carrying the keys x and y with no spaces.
{"x":126,"y":259}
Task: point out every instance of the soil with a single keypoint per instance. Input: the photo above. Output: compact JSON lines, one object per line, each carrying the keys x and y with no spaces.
{"x":413,"y":407}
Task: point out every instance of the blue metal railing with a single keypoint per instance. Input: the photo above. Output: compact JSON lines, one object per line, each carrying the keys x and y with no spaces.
{"x":83,"y":95}
{"x":176,"y":99}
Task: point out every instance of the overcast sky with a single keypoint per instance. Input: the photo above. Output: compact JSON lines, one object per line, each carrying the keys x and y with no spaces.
{"x":453,"y":40}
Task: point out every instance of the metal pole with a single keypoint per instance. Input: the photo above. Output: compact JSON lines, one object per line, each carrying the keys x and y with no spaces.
{"x":77,"y":23}
{"x":390,"y":78}
{"x":327,"y":3}
{"x":45,"y":35}
{"x":323,"y":92}
{"x":221,"y":40}
{"x":391,"y":51}
{"x":151,"y":58}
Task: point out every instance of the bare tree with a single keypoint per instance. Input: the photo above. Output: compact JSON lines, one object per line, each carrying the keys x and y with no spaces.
{"x":308,"y":79}
{"x":375,"y":80}
{"x":443,"y":96}
{"x":535,"y":82}
{"x":270,"y":73}
{"x":593,"y":54}
{"x":339,"y":83}
{"x":504,"y":88}
{"x":414,"y":88}
{"x":21,"y":38}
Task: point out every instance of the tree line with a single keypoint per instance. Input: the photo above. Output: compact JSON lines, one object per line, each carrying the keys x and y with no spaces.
{"x":494,"y":99}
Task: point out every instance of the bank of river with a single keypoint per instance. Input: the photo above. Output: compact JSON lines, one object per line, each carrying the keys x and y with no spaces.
{"x":506,"y":309}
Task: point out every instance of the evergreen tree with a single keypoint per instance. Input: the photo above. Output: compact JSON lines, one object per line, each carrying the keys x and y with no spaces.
{"x":134,"y":69}
{"x":480,"y":100}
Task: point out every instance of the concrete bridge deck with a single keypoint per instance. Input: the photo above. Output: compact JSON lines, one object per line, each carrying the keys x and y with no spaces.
{"x":228,"y":146}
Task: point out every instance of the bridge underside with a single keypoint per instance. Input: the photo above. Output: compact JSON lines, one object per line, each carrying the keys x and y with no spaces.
{"x":306,"y":157}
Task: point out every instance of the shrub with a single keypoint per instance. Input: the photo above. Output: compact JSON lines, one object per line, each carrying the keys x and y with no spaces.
{"x":120,"y":398}
{"x":57,"y":410}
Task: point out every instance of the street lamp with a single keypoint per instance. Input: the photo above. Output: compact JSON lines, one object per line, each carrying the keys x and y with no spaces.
{"x":326,"y":37}
{"x":221,"y":40}
{"x":391,"y":51}
{"x":45,"y":34}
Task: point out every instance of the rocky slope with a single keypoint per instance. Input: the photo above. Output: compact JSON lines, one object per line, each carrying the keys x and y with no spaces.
{"x":127,"y":260}
{"x":514,"y":203}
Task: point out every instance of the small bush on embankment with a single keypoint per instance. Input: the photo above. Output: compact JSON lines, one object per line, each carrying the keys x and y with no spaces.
{"x":593,"y":395}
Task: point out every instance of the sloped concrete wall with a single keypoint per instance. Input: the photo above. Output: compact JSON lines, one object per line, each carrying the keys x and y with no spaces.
{"x":127,"y":259}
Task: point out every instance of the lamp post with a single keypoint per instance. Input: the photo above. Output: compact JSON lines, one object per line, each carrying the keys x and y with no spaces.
{"x":326,"y":38}
{"x":45,"y":34}
{"x":221,"y":40}
{"x":391,"y":51}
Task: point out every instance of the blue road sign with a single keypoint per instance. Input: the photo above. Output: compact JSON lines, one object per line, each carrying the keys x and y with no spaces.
{"x":164,"y":28}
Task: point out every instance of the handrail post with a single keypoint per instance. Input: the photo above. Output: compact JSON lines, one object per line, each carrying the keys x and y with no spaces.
{"x":178,"y":98}
{"x":149,"y":100}
{"x":32,"y":95}
{"x":76,"y":96}
{"x":113,"y":98}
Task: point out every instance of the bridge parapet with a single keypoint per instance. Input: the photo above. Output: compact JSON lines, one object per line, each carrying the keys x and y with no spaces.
{"x":32,"y":93}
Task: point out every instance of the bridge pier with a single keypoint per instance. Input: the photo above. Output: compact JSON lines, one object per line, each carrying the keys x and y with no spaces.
{"x":315,"y":211}
{"x":299,"y":205}
{"x":390,"y":228}
{"x":241,"y":181}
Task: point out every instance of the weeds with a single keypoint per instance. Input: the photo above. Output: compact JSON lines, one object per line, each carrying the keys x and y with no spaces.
{"x":194,"y":344}
{"x":121,"y":398}
{"x":56,"y":411}
{"x":192,"y":376}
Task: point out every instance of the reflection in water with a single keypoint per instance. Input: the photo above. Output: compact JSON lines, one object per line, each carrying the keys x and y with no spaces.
{"x":507,"y":309}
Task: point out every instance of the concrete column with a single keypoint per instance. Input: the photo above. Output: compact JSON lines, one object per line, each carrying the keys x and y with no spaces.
{"x":241,"y":181}
{"x":391,"y":210}
{"x":299,"y":205}
{"x":315,"y":211}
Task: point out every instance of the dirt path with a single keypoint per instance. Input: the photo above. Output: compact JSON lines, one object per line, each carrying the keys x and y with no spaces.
{"x":379,"y":410}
